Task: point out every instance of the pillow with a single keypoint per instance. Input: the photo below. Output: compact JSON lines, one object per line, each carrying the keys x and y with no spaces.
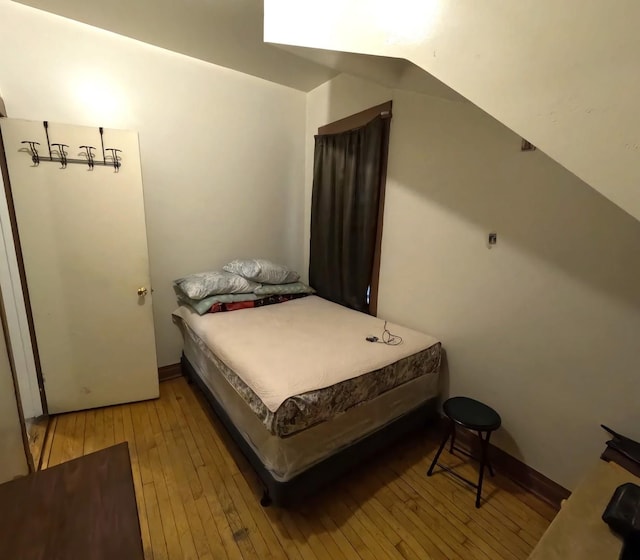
{"x":292,"y":288}
{"x":203,"y":284}
{"x":263,"y":271}
{"x":203,"y":306}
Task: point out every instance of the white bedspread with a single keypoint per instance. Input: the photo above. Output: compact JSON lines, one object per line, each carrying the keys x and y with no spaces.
{"x":302,"y":345}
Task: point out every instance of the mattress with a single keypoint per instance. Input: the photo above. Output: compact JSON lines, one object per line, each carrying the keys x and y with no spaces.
{"x":300,"y":363}
{"x":286,"y":457}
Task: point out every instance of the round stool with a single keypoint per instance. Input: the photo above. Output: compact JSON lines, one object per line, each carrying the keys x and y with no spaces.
{"x":475,"y":416}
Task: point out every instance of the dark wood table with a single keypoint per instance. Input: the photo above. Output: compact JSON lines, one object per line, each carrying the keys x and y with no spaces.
{"x":612,"y":455}
{"x":84,"y":509}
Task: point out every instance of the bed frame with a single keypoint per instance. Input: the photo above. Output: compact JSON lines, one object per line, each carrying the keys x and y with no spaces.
{"x":293,"y":491}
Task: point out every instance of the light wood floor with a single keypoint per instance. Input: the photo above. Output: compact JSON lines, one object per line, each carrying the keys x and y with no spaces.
{"x":198,"y":499}
{"x":36,"y":431}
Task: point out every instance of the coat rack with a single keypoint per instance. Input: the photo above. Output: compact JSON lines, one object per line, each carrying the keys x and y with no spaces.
{"x":63,"y":158}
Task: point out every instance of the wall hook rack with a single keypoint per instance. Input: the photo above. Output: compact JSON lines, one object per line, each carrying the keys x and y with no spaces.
{"x":113,"y":160}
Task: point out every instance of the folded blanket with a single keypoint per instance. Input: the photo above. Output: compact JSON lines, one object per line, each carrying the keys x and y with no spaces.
{"x":260,"y":302}
{"x":202,"y":306}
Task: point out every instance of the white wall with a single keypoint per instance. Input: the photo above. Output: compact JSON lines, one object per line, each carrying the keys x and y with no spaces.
{"x":561,"y":74}
{"x":542,"y":326}
{"x":222,"y":160}
{"x":13,"y":461}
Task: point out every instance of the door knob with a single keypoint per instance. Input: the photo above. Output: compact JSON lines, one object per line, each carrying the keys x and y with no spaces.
{"x":142,"y":291}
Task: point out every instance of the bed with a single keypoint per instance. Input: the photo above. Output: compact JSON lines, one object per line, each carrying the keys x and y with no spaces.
{"x":303,"y":393}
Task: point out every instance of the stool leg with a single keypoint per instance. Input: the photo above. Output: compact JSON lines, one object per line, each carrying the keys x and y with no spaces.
{"x":453,"y":436}
{"x":444,"y":441}
{"x":488,"y":460}
{"x":483,"y":460}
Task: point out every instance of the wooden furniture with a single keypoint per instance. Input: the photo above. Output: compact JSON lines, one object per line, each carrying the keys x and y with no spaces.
{"x":477,"y":417}
{"x":84,"y":509}
{"x":614,"y":456}
{"x":578,"y":532}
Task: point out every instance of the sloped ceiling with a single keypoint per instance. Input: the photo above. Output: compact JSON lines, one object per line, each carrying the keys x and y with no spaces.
{"x":225,"y":32}
{"x":391,"y":72}
{"x":565,"y":79}
{"x":230,"y":33}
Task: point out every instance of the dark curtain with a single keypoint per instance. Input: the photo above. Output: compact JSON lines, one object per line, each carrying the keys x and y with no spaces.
{"x":344,"y":213}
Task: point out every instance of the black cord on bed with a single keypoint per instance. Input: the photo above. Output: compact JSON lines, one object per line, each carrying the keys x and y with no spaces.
{"x":389,"y":338}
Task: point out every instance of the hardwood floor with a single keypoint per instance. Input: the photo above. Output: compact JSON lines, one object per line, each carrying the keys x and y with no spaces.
{"x":37,"y":431}
{"x":198,"y":498}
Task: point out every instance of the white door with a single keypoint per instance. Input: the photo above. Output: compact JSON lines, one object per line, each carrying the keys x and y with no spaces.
{"x":13,"y":458}
{"x":84,"y":248}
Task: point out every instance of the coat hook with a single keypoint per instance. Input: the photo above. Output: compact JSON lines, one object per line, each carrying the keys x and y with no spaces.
{"x":90,"y":156}
{"x":101,"y":130}
{"x":35,"y":157}
{"x":116,"y":158}
{"x":63,"y":154}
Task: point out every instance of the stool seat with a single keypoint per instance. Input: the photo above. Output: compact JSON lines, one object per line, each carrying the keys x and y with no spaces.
{"x":472,"y":414}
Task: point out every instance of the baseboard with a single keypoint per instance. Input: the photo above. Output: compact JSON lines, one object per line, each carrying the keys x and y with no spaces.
{"x":169,"y":372}
{"x":528,"y":478}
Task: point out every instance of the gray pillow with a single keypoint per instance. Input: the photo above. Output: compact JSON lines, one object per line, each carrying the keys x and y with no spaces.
{"x":262,"y":270}
{"x":284,"y":289}
{"x":203,"y":284}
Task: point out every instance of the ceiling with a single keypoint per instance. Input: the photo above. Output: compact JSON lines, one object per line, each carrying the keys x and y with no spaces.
{"x":229,"y":33}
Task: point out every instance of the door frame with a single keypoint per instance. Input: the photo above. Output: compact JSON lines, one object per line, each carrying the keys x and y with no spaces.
{"x":19,"y":332}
